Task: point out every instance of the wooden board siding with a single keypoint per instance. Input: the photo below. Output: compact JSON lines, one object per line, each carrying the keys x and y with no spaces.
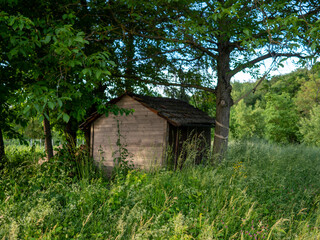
{"x":144,"y":135}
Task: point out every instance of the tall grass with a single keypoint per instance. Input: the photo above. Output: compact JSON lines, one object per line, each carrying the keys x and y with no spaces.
{"x":260,"y":191}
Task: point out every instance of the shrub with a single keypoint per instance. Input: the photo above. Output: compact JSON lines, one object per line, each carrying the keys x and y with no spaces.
{"x":281,"y":118}
{"x":310,"y":127}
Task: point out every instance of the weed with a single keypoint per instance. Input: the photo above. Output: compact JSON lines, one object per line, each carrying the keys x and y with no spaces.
{"x":122,"y":158}
{"x":259,"y":191}
{"x":194,"y":150}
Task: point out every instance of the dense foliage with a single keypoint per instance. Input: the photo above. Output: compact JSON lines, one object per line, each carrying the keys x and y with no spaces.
{"x":261,"y":191}
{"x":62,"y":60}
{"x":283,"y":109}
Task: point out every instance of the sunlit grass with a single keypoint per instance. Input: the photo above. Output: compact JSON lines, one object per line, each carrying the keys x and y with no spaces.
{"x":261,"y":191}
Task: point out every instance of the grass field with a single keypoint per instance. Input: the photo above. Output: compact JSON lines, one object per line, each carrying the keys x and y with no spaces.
{"x":261,"y":191}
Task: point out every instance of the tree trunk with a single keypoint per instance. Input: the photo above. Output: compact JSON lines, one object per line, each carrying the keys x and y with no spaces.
{"x":71,"y":133}
{"x":223,"y":104}
{"x":2,"y":151}
{"x":47,"y":137}
{"x":129,"y":42}
{"x":87,"y":137}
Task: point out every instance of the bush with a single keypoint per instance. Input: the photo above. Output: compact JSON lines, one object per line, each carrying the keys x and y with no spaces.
{"x":247,"y":122}
{"x":310,"y":127}
{"x":281,"y":118}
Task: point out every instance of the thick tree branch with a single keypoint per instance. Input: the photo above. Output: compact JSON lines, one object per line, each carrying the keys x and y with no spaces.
{"x":189,"y":60}
{"x":168,"y":84}
{"x":310,"y":13}
{"x":188,"y":41}
{"x":203,"y":49}
{"x":262,"y":58}
{"x":156,"y":54}
{"x":256,"y":86}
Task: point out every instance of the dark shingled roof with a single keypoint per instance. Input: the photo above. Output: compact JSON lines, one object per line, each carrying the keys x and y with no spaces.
{"x":177,"y":112}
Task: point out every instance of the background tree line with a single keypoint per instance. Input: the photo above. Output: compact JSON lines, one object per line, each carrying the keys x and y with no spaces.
{"x":283,"y":109}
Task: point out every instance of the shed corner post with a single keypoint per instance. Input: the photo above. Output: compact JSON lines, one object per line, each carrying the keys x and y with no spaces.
{"x":87,"y":136}
{"x":176,"y":150}
{"x":92,"y":139}
{"x":165,"y":145}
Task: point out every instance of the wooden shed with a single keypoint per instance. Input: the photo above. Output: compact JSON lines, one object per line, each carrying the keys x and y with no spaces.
{"x":155,"y":125}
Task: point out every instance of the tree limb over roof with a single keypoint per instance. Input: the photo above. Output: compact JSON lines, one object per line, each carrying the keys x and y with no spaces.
{"x":168,"y":83}
{"x":261,"y":58}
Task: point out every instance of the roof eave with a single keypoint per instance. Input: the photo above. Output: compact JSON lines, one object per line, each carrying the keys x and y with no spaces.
{"x":96,"y":115}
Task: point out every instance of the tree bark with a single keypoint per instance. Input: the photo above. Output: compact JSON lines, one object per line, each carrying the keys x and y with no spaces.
{"x":47,"y":137}
{"x":87,"y":135}
{"x":223,"y":103}
{"x":2,"y":151}
{"x":71,"y":133}
{"x":129,"y":42}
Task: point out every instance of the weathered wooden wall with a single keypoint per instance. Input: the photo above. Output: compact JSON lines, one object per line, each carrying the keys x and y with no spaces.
{"x":144,"y":134}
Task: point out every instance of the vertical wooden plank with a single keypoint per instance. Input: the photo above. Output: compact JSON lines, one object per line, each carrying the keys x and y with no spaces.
{"x":142,"y":131}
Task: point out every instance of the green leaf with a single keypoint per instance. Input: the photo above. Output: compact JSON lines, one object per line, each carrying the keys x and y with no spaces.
{"x":11,"y":21}
{"x":21,"y":25}
{"x":13,"y":40}
{"x":46,"y":115}
{"x":98,"y":74}
{"x":26,"y":110}
{"x":37,"y":107}
{"x":23,"y":52}
{"x":79,"y":39}
{"x":38,"y":43}
{"x":72,"y":64}
{"x":41,"y":118}
{"x":215,"y":16}
{"x":75,"y":50}
{"x":85,"y":71}
{"x":65,"y":117}
{"x":13,"y":52}
{"x":59,"y":103}
{"x":51,"y":105}
{"x":246,"y":31}
{"x":15,"y":26}
{"x":283,"y":59}
{"x":137,"y":16}
{"x":77,"y":62}
{"x":313,"y":46}
{"x":47,"y":39}
{"x":59,"y":116}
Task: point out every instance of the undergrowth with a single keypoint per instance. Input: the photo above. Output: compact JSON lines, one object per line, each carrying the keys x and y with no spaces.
{"x":261,"y":191}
